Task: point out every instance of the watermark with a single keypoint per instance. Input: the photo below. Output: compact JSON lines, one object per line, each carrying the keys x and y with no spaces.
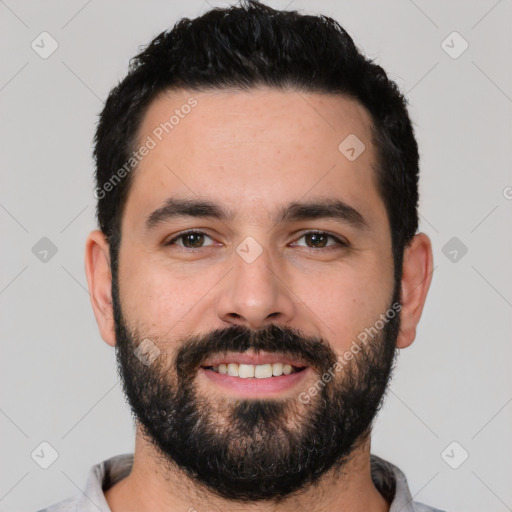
{"x":151,"y":142}
{"x":351,"y":147}
{"x":454,"y":45}
{"x":454,"y":455}
{"x":44,"y":455}
{"x":44,"y":45}
{"x":249,"y":250}
{"x":343,"y":359}
{"x":454,"y":249}
{"x":146,"y":352}
{"x":44,"y":250}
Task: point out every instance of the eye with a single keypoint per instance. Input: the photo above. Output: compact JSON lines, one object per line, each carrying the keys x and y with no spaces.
{"x":191,"y":239}
{"x":319,"y":240}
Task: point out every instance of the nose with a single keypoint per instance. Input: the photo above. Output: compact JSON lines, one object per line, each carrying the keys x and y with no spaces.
{"x":255,"y":294}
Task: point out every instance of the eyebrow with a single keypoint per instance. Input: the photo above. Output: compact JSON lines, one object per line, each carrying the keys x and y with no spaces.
{"x":295,"y":211}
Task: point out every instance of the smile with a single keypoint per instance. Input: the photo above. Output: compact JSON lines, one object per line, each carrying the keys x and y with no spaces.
{"x":257,"y":371}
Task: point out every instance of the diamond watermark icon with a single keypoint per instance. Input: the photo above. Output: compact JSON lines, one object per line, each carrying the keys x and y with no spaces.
{"x":146,"y":352}
{"x":351,"y":147}
{"x":44,"y":45}
{"x":44,"y":250}
{"x":454,"y":45}
{"x":44,"y":455}
{"x":454,"y":455}
{"x":454,"y":249}
{"x":249,"y":250}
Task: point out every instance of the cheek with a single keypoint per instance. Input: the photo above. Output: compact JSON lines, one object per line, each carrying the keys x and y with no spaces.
{"x":148,"y":294}
{"x":160,"y":298}
{"x":344,"y":303}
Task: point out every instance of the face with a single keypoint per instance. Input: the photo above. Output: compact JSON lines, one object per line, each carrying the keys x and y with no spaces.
{"x":255,"y":260}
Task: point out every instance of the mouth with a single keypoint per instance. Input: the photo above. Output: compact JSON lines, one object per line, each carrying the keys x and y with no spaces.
{"x":256,"y":371}
{"x":254,"y":375}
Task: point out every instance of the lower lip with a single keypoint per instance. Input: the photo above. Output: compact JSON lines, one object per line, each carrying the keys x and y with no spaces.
{"x":253,"y":387}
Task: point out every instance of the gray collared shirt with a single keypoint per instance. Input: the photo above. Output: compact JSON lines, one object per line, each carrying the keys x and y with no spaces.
{"x":388,"y":479}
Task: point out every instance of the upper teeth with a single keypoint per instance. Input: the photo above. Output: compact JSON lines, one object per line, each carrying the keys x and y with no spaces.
{"x":259,"y":371}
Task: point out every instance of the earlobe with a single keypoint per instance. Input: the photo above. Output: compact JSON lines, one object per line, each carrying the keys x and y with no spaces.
{"x":99,"y":280}
{"x":416,"y":279}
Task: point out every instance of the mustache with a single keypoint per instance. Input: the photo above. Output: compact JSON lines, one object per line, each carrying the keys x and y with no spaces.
{"x":273,"y":338}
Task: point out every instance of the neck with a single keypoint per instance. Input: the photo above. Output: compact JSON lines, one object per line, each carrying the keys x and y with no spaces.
{"x":153,"y":487}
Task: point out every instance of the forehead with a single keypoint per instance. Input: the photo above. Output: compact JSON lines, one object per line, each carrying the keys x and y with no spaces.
{"x":254,"y":147}
{"x":255,"y":117}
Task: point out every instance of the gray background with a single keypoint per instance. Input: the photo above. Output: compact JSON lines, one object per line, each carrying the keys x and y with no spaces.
{"x":58,"y":381}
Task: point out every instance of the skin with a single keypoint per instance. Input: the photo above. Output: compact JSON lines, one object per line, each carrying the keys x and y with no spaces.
{"x":253,"y":152}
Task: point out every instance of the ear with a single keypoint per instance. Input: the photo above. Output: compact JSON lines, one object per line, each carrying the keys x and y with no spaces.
{"x":99,"y":279}
{"x":416,"y":279}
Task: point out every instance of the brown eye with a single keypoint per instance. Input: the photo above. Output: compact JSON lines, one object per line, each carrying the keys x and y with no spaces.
{"x":191,"y":239}
{"x":319,"y":240}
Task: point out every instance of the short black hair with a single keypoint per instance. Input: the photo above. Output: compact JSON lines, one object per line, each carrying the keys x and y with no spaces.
{"x":247,"y":46}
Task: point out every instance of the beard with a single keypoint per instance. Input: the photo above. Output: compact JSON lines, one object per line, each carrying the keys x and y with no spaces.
{"x":249,"y":450}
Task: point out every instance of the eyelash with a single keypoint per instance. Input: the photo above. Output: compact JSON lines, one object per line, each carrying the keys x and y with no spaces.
{"x":340,"y":243}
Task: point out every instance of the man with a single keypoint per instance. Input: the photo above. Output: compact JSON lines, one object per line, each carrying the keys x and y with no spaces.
{"x":257,"y":266}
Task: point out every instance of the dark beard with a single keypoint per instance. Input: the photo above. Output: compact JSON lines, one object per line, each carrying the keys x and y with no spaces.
{"x":251,"y":450}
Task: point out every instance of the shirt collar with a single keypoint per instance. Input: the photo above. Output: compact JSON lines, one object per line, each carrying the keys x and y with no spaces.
{"x":392,"y":484}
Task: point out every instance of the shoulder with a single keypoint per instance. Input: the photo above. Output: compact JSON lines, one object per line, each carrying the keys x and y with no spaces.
{"x":421,"y":507}
{"x":101,"y":476}
{"x":391,"y":482}
{"x":67,"y":505}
